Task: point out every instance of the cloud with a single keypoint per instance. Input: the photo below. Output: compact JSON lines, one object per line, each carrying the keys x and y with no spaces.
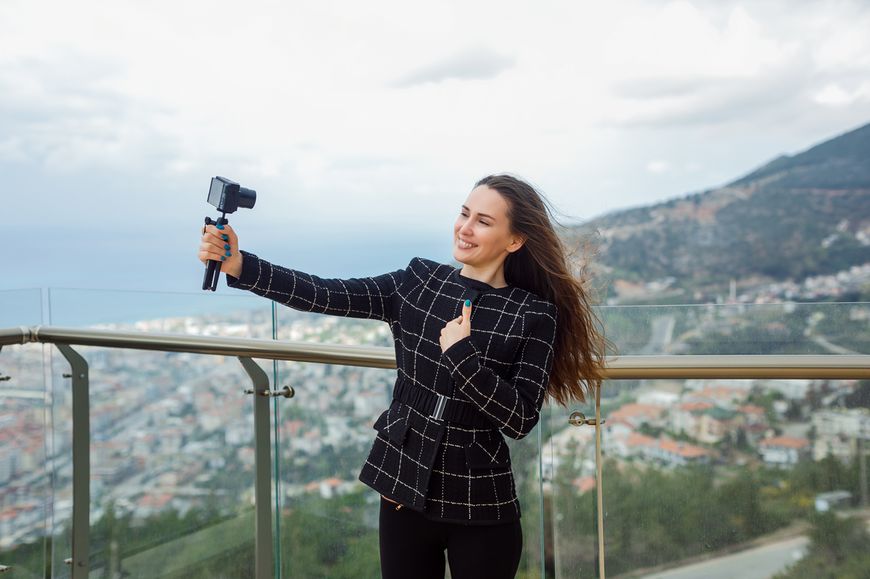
{"x":370,"y":105}
{"x":60,"y":111}
{"x":834,"y":95}
{"x":657,"y":166}
{"x":474,"y":63}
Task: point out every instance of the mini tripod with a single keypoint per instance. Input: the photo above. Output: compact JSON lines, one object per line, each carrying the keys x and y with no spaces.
{"x":227,"y":196}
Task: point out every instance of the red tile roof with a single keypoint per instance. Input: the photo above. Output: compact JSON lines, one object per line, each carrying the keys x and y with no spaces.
{"x":786,"y":442}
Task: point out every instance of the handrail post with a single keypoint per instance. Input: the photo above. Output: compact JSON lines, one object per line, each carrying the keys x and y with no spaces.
{"x":263,"y":555}
{"x":81,"y":448}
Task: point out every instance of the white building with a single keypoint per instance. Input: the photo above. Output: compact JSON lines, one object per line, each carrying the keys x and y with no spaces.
{"x":783,"y":451}
{"x":838,"y":430}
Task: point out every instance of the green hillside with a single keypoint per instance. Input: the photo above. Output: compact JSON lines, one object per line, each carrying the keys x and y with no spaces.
{"x":795,"y":217}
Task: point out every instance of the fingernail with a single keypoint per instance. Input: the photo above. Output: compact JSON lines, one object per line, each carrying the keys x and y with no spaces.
{"x":229,"y":254}
{"x":226,"y":245}
{"x":467,"y":303}
{"x":225,"y":237}
{"x":220,"y":226}
{"x":223,"y":257}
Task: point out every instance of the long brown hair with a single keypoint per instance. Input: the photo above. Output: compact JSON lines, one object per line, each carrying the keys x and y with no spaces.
{"x":543,"y":266}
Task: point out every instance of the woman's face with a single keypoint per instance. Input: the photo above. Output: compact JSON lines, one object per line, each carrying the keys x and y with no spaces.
{"x":483,"y":222}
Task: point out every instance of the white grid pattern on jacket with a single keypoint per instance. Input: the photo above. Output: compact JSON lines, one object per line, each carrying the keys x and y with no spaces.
{"x":447,"y":471}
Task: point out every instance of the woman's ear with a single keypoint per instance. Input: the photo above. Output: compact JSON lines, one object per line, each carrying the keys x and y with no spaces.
{"x":516,"y":244}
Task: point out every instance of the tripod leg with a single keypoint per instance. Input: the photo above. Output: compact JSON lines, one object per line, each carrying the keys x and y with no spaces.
{"x":217,"y":275}
{"x":222,"y":220}
{"x":209,"y":277}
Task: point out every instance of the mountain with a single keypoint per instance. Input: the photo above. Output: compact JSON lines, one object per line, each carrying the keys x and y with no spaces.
{"x":792,"y":218}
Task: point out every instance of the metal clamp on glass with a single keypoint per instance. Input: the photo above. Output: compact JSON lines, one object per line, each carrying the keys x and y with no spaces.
{"x":579,"y":419}
{"x":286,"y":392}
{"x":438,"y":412}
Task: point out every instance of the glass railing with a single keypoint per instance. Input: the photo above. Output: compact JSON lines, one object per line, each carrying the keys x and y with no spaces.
{"x":745,"y":329}
{"x":171,"y":456}
{"x":704,"y":488}
{"x":694,"y":468}
{"x":342,"y":402}
{"x":715,"y":476}
{"x":25,"y":486}
{"x":328,"y":525}
{"x":202,"y":314}
{"x":171,"y":435}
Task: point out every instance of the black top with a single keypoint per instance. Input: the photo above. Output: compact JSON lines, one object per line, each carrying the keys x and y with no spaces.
{"x":446,"y":470}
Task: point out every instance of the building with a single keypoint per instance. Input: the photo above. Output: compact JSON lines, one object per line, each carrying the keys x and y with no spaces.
{"x":838,"y":431}
{"x":785,"y":451}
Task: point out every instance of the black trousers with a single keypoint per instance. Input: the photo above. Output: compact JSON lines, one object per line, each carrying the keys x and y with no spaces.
{"x":413,"y":546}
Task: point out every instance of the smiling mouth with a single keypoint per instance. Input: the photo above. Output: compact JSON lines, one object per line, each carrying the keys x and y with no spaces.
{"x":463,"y":245}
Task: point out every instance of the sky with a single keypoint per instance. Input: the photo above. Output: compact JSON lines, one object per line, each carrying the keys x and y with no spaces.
{"x":364,"y":125}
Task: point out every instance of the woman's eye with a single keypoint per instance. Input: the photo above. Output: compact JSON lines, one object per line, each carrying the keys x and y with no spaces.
{"x":482,"y":221}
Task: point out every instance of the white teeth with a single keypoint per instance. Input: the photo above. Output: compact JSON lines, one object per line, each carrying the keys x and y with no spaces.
{"x":464,"y":245}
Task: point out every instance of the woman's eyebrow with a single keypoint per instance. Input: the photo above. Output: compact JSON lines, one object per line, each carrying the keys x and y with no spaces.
{"x":481,"y":214}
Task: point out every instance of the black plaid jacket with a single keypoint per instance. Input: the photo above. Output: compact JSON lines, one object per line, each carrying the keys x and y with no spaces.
{"x":447,"y":471}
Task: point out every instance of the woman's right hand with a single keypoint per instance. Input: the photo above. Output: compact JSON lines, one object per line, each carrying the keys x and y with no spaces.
{"x":221,"y":245}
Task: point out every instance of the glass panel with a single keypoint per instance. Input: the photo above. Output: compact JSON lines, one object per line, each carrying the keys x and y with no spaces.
{"x":172,"y":450}
{"x":202,"y":314}
{"x":20,"y":308}
{"x":329,"y":519}
{"x":25,"y":487}
{"x":329,"y":523}
{"x":570,"y":491}
{"x":696,"y":468}
{"x":726,"y":478}
{"x":784,"y":328}
{"x":526,"y":461}
{"x":172,"y":465}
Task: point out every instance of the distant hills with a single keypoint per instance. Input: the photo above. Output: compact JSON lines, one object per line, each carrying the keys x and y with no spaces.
{"x":792,"y":218}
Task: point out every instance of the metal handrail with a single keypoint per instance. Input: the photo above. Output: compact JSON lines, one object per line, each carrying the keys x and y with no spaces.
{"x":735,"y":366}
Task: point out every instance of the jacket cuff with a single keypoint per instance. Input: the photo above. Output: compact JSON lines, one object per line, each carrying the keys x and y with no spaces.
{"x":462,"y":360}
{"x":250,"y":272}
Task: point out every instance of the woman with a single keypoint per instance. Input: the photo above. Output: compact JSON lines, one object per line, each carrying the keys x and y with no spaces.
{"x":478,"y":351}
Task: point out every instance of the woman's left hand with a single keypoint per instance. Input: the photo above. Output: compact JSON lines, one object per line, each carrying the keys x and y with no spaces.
{"x":456,"y":329}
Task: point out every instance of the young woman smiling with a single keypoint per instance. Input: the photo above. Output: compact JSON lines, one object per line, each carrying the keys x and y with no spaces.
{"x":478,"y":351}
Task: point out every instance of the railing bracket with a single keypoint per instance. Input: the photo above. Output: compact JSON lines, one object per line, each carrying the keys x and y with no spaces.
{"x":286,"y":392}
{"x":577,"y":418}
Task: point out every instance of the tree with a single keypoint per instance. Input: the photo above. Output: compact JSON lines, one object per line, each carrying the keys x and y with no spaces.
{"x":839,"y":549}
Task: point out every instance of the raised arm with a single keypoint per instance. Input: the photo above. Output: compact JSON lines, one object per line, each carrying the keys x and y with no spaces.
{"x":513,"y":404}
{"x":366,"y":297}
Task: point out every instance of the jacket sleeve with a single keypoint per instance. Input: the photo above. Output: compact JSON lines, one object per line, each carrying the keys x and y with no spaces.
{"x":513,"y":404}
{"x":367,"y":297}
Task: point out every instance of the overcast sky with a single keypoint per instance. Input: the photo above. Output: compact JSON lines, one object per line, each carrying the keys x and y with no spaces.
{"x":363,"y":125}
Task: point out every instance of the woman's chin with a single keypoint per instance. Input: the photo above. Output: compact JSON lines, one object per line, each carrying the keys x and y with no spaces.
{"x":458,"y":252}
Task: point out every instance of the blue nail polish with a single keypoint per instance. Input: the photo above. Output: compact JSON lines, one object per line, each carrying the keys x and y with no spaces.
{"x":229,"y":254}
{"x":467,"y":303}
{"x":223,"y":258}
{"x":225,"y":237}
{"x":220,"y":226}
{"x":226,"y":245}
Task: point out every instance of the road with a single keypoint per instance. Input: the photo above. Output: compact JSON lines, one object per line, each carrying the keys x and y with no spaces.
{"x":832,"y":347}
{"x":758,"y":563}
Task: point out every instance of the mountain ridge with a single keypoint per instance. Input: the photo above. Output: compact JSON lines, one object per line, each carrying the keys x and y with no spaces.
{"x":793,"y":217}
